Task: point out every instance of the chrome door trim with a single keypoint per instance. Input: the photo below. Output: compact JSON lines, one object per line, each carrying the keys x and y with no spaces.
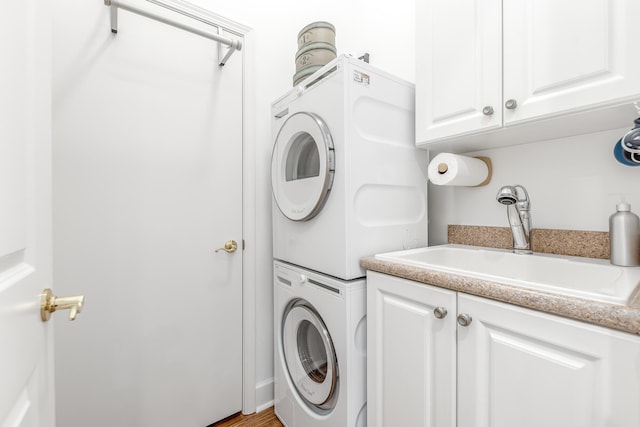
{"x":325,"y":146}
{"x":299,"y":379}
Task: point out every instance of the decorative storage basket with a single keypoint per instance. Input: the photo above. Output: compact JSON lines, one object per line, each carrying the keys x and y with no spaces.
{"x":317,"y":32}
{"x":316,"y":47}
{"x":317,"y":53}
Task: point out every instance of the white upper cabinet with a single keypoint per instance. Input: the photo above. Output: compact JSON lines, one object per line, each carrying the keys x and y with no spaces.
{"x":484,"y":65}
{"x":570,"y":54}
{"x":458,"y":67}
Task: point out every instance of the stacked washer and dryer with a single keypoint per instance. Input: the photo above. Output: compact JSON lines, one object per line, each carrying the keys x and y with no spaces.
{"x":347,"y":182}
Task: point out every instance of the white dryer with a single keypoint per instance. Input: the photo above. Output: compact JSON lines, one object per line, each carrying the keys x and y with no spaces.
{"x":320,"y":349}
{"x":346,"y":177}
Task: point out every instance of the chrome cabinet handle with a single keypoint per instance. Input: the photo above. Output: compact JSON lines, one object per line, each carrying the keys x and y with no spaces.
{"x":440,"y":312}
{"x":50,"y":303}
{"x":229,"y":247}
{"x":464,"y":320}
{"x":488,"y":110}
{"x":511,"y":104}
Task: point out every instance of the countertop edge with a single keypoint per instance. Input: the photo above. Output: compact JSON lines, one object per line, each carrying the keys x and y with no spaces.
{"x":612,"y":316}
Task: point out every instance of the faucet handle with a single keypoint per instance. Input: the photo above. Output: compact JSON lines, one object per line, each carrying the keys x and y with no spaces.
{"x":525,"y":201}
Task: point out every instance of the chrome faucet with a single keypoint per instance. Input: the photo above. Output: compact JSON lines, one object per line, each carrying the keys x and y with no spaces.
{"x":518,"y":215}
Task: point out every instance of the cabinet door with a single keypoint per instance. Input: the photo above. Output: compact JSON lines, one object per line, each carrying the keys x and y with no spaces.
{"x":519,"y":367}
{"x":567,"y":55}
{"x":410,"y":354}
{"x":458,"y":67}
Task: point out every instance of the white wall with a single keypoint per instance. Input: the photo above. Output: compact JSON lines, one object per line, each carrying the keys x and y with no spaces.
{"x":574,"y":183}
{"x":383,"y":29}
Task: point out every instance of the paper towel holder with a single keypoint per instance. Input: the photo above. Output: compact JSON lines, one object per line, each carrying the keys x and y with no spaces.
{"x":487,"y":161}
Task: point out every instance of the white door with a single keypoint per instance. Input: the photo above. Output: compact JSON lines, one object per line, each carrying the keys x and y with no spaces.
{"x":555,"y":61}
{"x":411,"y":352}
{"x":147,"y":185}
{"x":26,"y":357}
{"x":458,"y":67}
{"x":519,"y":367}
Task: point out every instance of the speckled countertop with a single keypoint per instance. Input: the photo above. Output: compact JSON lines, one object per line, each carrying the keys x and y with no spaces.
{"x":622,"y":318}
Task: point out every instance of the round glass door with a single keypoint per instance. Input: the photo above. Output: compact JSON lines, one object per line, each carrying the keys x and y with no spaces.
{"x":302,"y":166}
{"x":310,"y":357}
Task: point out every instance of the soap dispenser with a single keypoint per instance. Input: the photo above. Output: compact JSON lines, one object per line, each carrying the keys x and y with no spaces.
{"x":624,"y":235}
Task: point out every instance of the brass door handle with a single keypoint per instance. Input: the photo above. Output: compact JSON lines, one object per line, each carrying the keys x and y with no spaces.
{"x":229,"y":247}
{"x":50,"y":303}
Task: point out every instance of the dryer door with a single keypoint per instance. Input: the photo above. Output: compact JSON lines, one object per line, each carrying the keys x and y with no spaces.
{"x":302,"y":166}
{"x":309,"y":355}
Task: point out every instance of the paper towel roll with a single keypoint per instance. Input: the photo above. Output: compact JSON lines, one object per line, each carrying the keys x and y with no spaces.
{"x":453,"y":169}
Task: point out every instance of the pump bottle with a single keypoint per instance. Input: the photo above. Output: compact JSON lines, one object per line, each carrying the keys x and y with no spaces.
{"x":624,"y":234}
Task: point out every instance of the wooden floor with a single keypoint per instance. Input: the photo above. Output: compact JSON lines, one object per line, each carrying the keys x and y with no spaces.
{"x":265,"y":418}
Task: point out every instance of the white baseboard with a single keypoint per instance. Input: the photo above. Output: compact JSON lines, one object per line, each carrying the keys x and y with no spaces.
{"x":264,"y":394}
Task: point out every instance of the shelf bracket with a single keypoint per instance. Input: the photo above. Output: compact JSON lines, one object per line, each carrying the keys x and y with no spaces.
{"x":222,"y":56}
{"x":113,"y":6}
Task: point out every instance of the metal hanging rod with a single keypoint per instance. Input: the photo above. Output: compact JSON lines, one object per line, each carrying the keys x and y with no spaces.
{"x":232,"y":44}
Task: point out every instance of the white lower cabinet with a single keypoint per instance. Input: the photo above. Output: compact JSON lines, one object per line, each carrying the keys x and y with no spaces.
{"x":510,"y":366}
{"x":411,"y":354}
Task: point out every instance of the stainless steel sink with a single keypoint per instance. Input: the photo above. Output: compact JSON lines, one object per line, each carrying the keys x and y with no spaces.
{"x":572,"y":276}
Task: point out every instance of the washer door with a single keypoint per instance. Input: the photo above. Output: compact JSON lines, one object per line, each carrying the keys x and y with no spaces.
{"x":309,"y":355}
{"x":302,"y":166}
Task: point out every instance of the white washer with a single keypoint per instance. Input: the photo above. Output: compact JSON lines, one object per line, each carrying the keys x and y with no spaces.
{"x":320,"y":349}
{"x":346,"y":177}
